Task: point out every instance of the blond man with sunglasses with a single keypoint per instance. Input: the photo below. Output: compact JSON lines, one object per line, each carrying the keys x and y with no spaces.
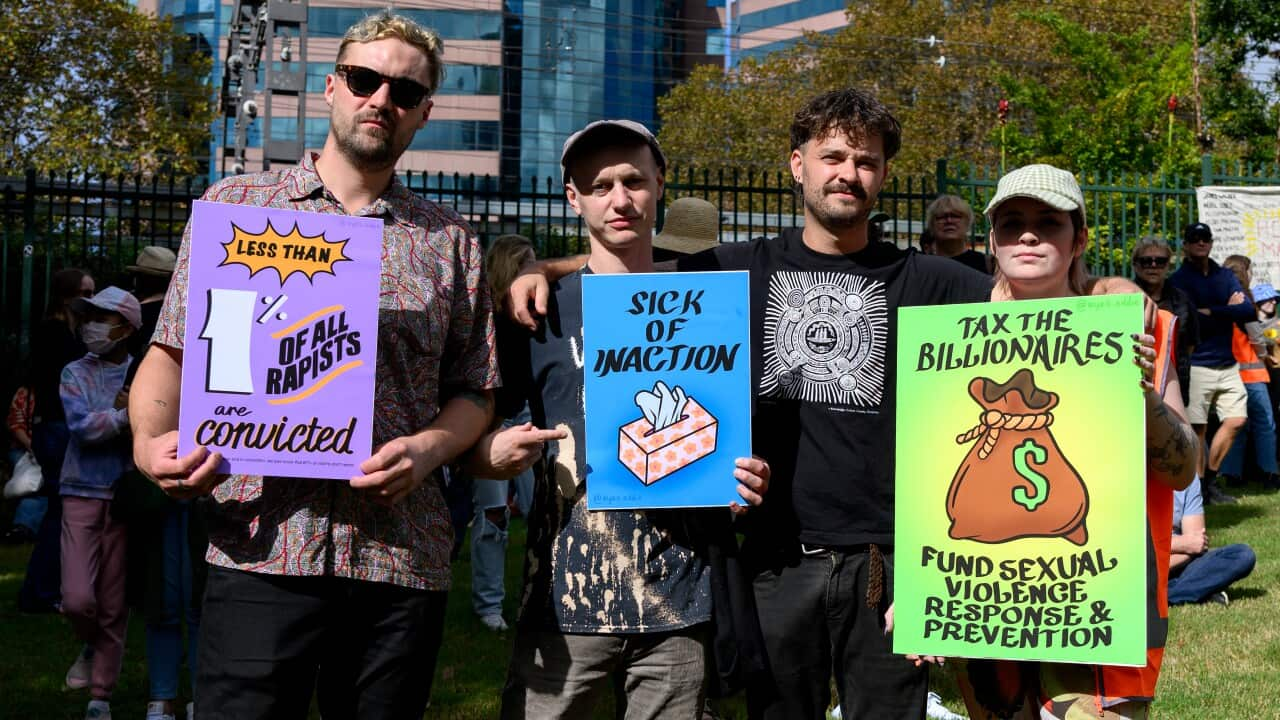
{"x":337,"y":589}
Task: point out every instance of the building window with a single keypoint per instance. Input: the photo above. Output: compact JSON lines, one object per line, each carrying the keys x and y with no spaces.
{"x":790,"y":12}
{"x":455,"y":24}
{"x":475,"y":135}
{"x":458,"y":80}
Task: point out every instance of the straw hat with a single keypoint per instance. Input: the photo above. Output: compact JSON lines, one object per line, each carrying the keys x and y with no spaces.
{"x":692,"y":224}
{"x":154,"y":260}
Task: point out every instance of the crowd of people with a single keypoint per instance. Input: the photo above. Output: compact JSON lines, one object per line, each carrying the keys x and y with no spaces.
{"x":291,"y":588}
{"x":105,"y":540}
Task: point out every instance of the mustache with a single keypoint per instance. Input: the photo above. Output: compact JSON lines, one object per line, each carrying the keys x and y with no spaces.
{"x":383,"y":116}
{"x":839,"y":187}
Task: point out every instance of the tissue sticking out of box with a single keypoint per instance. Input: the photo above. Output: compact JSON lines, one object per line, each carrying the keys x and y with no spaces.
{"x":674,"y":432}
{"x":662,"y":407}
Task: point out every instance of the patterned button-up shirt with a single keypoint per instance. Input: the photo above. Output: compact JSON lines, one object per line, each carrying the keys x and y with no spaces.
{"x":435,"y":339}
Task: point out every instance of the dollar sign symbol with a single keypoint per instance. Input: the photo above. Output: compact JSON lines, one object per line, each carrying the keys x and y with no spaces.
{"x":1039,"y":483}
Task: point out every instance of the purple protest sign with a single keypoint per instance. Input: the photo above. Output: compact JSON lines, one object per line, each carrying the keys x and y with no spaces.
{"x":281,"y":340}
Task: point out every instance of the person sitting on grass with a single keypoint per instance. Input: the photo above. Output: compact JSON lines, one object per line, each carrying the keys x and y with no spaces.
{"x":1198,"y":574}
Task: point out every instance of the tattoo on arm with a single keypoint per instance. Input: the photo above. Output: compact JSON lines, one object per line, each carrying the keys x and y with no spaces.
{"x":479,"y":399}
{"x":162,"y":403}
{"x":1171,"y":444}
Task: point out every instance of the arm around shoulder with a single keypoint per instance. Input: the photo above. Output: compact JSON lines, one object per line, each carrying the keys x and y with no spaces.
{"x":527,"y":296}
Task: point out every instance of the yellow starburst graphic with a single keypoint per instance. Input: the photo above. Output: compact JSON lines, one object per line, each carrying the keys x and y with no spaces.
{"x":287,"y":253}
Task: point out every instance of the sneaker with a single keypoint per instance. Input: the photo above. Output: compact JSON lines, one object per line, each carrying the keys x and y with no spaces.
{"x":155,"y":711}
{"x":191,"y":711}
{"x":937,"y":711}
{"x":17,"y":535}
{"x":98,"y":710}
{"x":835,"y":713}
{"x":1220,"y":598}
{"x":81,"y":670}
{"x":494,"y":622}
{"x":1213,"y":495}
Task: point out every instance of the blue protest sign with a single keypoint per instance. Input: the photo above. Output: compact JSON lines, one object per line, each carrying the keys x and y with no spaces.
{"x":667,"y":366}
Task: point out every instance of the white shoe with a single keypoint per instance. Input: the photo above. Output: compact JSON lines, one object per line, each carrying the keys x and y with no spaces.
{"x":155,"y":711}
{"x":98,"y":710}
{"x":937,"y":711}
{"x":494,"y":622}
{"x":191,"y":711}
{"x":81,"y":671}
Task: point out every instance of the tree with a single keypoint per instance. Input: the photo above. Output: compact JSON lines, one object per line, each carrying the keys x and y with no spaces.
{"x":96,"y":86}
{"x":1090,"y":83}
{"x":1243,"y":121}
{"x":1107,"y":109}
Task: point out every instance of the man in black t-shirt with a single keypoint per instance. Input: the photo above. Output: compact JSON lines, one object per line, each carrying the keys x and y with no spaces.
{"x":824,"y":306}
{"x":623,"y":592}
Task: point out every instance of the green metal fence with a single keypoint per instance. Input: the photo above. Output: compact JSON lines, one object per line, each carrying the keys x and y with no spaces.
{"x":1120,"y":208}
{"x":99,"y":223}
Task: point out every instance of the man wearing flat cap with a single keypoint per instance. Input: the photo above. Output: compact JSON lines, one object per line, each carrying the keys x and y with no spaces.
{"x":644,"y":614}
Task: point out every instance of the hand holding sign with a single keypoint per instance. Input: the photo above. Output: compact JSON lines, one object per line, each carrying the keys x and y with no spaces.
{"x":182,"y":478}
{"x":753,"y":482}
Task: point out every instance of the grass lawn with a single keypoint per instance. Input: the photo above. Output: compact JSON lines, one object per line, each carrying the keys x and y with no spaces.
{"x":1220,"y":664}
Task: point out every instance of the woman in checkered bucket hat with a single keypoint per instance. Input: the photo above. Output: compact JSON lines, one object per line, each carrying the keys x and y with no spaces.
{"x":1038,"y":238}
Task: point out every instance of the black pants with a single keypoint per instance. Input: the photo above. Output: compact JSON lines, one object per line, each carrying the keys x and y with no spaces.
{"x":265,"y":641}
{"x":815,"y":620}
{"x":41,"y":589}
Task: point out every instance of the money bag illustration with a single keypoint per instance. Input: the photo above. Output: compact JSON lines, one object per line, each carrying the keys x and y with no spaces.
{"x":1015,"y":481}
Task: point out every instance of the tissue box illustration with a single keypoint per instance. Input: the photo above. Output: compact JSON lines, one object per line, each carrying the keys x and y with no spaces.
{"x":674,"y":432}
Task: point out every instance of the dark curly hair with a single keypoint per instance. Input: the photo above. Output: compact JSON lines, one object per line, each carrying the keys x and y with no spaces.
{"x":852,"y":112}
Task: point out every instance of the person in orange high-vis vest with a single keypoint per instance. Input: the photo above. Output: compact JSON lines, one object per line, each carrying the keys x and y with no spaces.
{"x":1038,"y":239}
{"x":1260,"y":429}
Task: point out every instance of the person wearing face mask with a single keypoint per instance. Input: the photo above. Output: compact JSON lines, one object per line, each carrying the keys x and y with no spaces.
{"x":98,"y":454}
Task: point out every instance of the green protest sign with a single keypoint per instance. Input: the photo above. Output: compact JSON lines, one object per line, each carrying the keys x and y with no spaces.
{"x":1021,"y":482}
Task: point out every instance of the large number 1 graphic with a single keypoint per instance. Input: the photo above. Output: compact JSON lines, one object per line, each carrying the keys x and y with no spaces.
{"x":227,"y":329}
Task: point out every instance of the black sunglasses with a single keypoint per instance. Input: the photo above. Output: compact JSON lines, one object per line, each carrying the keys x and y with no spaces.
{"x":363,"y":82}
{"x":1198,"y":239}
{"x":1151,"y":261}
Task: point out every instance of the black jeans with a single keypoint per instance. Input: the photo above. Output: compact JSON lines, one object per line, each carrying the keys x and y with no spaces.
{"x":41,"y":589}
{"x":265,"y":640}
{"x":815,"y":620}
